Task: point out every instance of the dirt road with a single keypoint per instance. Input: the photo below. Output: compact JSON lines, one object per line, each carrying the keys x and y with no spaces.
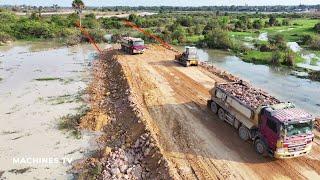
{"x":198,"y":145}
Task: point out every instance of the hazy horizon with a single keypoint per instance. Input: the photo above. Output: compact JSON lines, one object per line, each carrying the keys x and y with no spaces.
{"x":162,"y":3}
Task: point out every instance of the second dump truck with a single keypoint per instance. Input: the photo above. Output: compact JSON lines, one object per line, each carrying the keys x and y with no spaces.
{"x":132,"y":45}
{"x":277,"y":129}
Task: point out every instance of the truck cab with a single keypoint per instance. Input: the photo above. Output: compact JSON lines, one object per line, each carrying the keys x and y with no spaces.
{"x":284,"y":131}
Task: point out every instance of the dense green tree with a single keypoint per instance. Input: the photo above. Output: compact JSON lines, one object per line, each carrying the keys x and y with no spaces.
{"x":185,"y":21}
{"x":179,"y":34}
{"x":272,"y":20}
{"x":257,"y":24}
{"x":218,"y":38}
{"x":211,"y":25}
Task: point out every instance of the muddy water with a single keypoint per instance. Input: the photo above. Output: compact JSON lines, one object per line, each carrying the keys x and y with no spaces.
{"x":32,"y":146}
{"x":276,"y":81}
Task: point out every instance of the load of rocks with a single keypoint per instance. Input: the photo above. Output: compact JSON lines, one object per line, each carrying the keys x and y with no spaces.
{"x":249,"y":95}
{"x":129,"y":163}
{"x":216,"y":71}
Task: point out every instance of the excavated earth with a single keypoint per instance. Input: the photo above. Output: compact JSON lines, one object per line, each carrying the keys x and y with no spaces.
{"x":157,"y":125}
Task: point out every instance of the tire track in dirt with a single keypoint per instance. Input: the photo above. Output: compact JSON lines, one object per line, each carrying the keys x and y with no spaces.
{"x":198,"y":146}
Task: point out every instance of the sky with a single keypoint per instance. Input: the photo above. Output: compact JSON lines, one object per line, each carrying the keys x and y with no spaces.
{"x":159,"y":2}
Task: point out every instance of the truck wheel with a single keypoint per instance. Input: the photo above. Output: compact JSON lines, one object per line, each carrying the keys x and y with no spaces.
{"x":260,"y":147}
{"x":214,"y":107}
{"x":221,"y":114}
{"x":244,"y":133}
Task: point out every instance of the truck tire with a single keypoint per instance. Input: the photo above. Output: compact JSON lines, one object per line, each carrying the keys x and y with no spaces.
{"x":214,"y":107}
{"x":244,"y":133}
{"x":221,"y":114}
{"x":260,"y":147}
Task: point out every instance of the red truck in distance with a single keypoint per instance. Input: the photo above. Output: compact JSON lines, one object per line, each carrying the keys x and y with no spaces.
{"x":132,"y":45}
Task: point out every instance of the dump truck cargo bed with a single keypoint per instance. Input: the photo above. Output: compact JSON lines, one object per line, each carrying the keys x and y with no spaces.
{"x":248,"y":95}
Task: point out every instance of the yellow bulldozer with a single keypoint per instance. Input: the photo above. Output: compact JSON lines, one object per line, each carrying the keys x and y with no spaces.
{"x":189,"y":57}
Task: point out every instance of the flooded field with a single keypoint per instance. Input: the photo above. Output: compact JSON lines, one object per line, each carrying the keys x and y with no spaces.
{"x":41,"y":82}
{"x":277,"y":81}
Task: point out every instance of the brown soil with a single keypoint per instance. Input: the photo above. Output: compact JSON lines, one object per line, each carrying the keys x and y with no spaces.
{"x":149,"y":99}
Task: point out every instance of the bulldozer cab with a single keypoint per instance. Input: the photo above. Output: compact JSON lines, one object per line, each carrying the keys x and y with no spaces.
{"x":191,"y":52}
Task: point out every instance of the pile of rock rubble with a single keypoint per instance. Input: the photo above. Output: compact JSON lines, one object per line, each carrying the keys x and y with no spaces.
{"x":129,"y":163}
{"x":249,"y":95}
{"x":216,"y":71}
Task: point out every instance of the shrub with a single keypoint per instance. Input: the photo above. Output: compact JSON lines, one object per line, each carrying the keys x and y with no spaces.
{"x":278,"y":41}
{"x":257,"y":24}
{"x":90,"y":21}
{"x":306,"y":39}
{"x":317,"y":28}
{"x":276,"y":58}
{"x":219,"y":39}
{"x":289,"y":58}
{"x":96,"y":34}
{"x":33,"y":29}
{"x":285,"y":22}
{"x":59,"y":20}
{"x":179,"y":35}
{"x":4,"y":37}
{"x":315,"y":43}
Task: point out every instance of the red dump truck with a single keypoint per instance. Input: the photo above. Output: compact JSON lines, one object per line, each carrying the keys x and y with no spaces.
{"x":277,"y":129}
{"x":132,"y":45}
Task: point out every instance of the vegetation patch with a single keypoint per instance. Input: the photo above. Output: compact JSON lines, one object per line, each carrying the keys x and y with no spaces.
{"x":9,"y":132}
{"x":257,"y":57}
{"x":49,"y":79}
{"x":66,"y":98}
{"x":70,"y":122}
{"x":20,"y":171}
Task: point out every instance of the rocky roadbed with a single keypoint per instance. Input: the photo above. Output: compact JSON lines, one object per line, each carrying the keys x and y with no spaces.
{"x":128,"y":149}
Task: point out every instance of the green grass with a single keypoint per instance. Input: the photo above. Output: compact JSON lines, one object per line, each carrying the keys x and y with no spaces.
{"x":257,"y":57}
{"x":314,"y":61}
{"x":242,"y":36}
{"x":48,"y":79}
{"x":194,"y":38}
{"x":70,"y":122}
{"x":294,"y":32}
